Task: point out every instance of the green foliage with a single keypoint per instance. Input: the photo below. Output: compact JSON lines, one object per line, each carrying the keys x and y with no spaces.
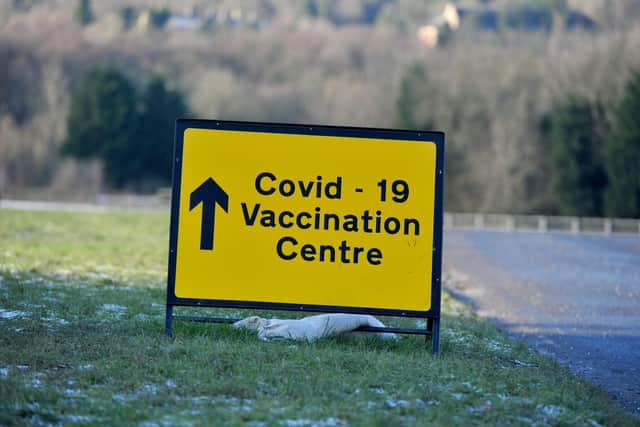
{"x":371,"y":10}
{"x":311,"y":8}
{"x":342,"y":13}
{"x":160,"y":108}
{"x":322,"y":8}
{"x":132,"y":135}
{"x":530,"y":17}
{"x":128,"y":15}
{"x":83,"y":13}
{"x":622,"y":154}
{"x":578,"y":177}
{"x":20,"y":98}
{"x":409,"y":99}
{"x":557,"y":5}
{"x":101,"y":120}
{"x":159,"y":17}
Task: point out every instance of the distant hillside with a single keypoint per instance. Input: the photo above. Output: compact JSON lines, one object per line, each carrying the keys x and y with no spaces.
{"x":406,"y":14}
{"x":352,"y":62}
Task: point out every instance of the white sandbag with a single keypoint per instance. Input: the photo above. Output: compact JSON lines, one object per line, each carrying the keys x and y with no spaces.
{"x":312,"y":327}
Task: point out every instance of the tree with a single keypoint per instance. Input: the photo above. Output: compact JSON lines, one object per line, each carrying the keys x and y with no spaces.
{"x":83,"y":14}
{"x":159,"y":17}
{"x":161,"y":106}
{"x":411,"y":98}
{"x":101,"y":121}
{"x":622,"y":154}
{"x":132,"y":134}
{"x":578,"y":176}
{"x":128,"y":15}
{"x":311,"y":9}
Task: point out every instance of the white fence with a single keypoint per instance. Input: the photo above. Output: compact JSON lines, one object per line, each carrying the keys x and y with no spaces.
{"x":101,"y":202}
{"x":540,"y":223}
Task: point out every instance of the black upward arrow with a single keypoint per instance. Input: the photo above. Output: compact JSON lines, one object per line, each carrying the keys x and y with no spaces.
{"x":208,"y":193}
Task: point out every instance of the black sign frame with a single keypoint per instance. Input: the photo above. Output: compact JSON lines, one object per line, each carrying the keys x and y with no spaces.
{"x":432,"y":315}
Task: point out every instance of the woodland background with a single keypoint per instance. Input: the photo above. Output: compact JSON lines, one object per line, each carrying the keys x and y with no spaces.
{"x":501,"y":96}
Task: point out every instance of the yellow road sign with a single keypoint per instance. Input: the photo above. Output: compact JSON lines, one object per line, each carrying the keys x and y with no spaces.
{"x":298,"y":216}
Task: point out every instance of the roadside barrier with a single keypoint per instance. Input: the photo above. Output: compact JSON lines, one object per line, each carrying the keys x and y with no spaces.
{"x":540,"y":223}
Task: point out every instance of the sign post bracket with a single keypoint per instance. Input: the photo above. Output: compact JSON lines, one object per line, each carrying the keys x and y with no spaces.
{"x":435,"y":334}
{"x":433,"y":326}
{"x":168,"y":321}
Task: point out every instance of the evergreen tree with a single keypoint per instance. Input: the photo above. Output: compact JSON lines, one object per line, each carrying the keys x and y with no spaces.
{"x":311,"y":8}
{"x":101,"y":121}
{"x":128,"y":17}
{"x":161,"y":107}
{"x":578,"y":176}
{"x":131,"y":134}
{"x":84,"y":15}
{"x":159,"y":17}
{"x":410,"y":99}
{"x":622,"y":154}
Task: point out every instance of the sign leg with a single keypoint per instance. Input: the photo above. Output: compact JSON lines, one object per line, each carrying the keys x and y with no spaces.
{"x":435,"y":336}
{"x":168,"y":321}
{"x":429,"y":329}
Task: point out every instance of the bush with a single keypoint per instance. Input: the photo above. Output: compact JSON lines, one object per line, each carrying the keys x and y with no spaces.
{"x":410,"y":99}
{"x":159,"y":17}
{"x":83,"y":13}
{"x":128,"y":15}
{"x":578,"y":176}
{"x":131,"y":134}
{"x":101,"y":121}
{"x":622,"y":154}
{"x":160,"y":108}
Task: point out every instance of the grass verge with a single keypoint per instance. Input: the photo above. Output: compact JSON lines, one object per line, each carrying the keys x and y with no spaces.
{"x":82,"y":343}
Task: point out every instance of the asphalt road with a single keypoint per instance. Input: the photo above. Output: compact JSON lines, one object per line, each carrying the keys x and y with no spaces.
{"x":575,"y":298}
